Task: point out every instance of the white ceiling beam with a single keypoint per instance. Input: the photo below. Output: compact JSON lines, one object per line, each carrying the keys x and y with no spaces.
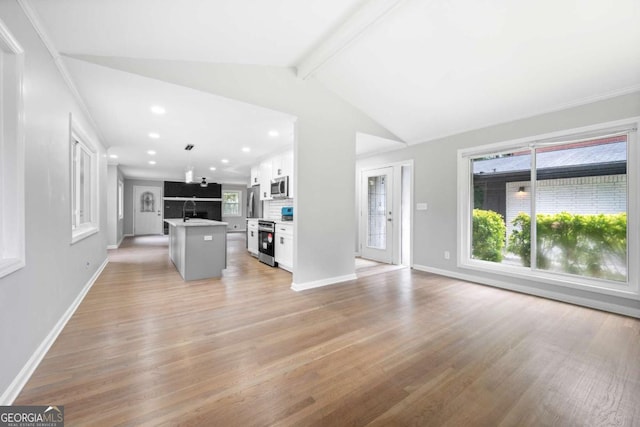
{"x":367,"y":16}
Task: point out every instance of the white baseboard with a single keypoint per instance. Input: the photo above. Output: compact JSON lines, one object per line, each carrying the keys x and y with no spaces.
{"x":286,"y":267}
{"x":14,"y":389}
{"x":586,"y":302}
{"x":116,"y":246}
{"x":324,"y":282}
{"x":128,"y":235}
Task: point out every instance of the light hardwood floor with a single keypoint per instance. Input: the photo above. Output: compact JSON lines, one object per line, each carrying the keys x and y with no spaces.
{"x":399,"y":348}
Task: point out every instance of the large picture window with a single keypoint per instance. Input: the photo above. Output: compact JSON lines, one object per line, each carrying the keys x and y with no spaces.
{"x":559,"y":208}
{"x":84,"y":185}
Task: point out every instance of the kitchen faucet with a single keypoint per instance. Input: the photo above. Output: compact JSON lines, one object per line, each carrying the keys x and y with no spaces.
{"x":184,"y":210}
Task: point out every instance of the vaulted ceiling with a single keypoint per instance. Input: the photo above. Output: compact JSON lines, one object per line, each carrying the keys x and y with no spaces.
{"x":421,"y":69}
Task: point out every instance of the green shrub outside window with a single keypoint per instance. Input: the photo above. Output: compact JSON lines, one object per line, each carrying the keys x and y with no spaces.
{"x":586,"y":245}
{"x":488,"y":235}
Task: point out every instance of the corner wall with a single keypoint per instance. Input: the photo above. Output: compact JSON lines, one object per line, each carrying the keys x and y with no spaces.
{"x":115,"y":225}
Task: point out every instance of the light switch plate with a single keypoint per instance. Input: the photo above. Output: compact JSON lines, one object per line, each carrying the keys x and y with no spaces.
{"x":208,"y":237}
{"x":421,"y":206}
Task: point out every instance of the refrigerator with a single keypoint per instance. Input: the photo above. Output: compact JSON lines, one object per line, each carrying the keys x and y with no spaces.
{"x":254,"y":204}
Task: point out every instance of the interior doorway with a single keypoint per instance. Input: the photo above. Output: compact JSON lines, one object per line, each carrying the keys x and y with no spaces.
{"x":385,"y":213}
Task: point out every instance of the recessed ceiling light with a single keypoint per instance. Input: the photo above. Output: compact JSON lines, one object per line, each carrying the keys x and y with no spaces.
{"x":152,"y":162}
{"x":113,"y":156}
{"x":156,"y":109}
{"x":224,"y":161}
{"x":273,"y":133}
{"x":212,"y":168}
{"x":154,"y":135}
{"x":151,"y":152}
{"x":246,"y":149}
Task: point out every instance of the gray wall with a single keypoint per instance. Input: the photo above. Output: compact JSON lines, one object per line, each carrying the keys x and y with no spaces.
{"x":128,"y":200}
{"x":435,"y":182}
{"x":34,"y":298}
{"x":237,"y":223}
{"x":115,"y":225}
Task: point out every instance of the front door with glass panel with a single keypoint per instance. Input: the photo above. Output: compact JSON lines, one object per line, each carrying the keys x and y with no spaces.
{"x":147,"y":205}
{"x":376,"y":215}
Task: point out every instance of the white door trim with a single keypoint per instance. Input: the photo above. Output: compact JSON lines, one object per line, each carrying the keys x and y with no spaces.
{"x":397,"y":166}
{"x":133,"y":205}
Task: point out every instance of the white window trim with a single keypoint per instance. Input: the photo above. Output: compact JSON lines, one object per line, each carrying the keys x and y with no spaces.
{"x":239,"y":193}
{"x":120,"y":199}
{"x":77,"y":133}
{"x":631,"y":289}
{"x":12,"y":166}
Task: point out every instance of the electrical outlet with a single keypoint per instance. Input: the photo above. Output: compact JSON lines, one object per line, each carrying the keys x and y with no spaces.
{"x":447,"y":255}
{"x":208,"y":237}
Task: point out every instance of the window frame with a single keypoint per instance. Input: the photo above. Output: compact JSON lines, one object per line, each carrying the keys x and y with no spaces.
{"x":120,"y":199}
{"x":628,"y":289}
{"x":12,"y":157}
{"x":239,"y":193}
{"x":78,"y":136}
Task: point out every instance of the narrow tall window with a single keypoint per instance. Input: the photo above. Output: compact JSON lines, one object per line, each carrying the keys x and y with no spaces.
{"x":120,"y":200}
{"x":84,"y":186}
{"x":12,"y":237}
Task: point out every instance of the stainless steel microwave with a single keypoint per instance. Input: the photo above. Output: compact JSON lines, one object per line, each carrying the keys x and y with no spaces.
{"x":280,"y":187}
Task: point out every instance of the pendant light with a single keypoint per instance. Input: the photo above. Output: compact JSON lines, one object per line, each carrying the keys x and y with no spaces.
{"x":188,"y":174}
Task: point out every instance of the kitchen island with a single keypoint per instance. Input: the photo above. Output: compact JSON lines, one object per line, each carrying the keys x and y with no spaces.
{"x":198,"y":247}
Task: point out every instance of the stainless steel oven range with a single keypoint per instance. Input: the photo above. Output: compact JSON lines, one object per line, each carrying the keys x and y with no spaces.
{"x":266,"y":242}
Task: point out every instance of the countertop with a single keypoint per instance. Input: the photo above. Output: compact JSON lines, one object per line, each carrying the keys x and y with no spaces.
{"x":277,"y":221}
{"x":194,"y":222}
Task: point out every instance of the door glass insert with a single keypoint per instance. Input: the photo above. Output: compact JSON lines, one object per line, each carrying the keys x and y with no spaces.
{"x":377,"y":205}
{"x":147,"y":202}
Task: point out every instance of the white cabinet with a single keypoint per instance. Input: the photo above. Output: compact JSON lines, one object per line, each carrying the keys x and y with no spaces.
{"x":284,"y":246}
{"x":252,"y":236}
{"x":282,"y":164}
{"x":255,"y":176}
{"x":287,"y":167}
{"x":270,"y":169}
{"x":265,"y":179}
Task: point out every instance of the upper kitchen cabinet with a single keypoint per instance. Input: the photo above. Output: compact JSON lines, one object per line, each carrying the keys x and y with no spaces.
{"x":265,"y":177}
{"x":283,"y":165}
{"x":173,"y":189}
{"x":271,"y":168}
{"x":255,"y":176}
{"x":287,"y":164}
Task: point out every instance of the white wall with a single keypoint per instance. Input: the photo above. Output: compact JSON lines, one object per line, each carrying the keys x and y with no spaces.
{"x":34,"y":298}
{"x":435,"y":182}
{"x":585,"y":195}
